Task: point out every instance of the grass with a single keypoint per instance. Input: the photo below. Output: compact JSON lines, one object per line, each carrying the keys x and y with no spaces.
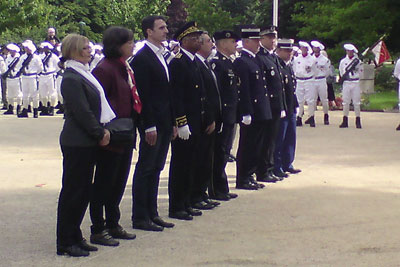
{"x":380,"y":101}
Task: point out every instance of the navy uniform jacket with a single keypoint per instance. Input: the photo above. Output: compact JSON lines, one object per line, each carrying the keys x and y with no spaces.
{"x":213,"y":100}
{"x":290,"y":88}
{"x":273,"y":76}
{"x":253,"y":95}
{"x":228,"y":87}
{"x":188,"y":94}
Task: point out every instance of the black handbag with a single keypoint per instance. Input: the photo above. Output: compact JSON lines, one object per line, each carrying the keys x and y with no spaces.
{"x":122,"y":131}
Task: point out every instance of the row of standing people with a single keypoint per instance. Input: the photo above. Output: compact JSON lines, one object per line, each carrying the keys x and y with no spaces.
{"x":192,"y":103}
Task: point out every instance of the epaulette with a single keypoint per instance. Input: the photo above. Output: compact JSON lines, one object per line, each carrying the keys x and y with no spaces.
{"x":179,"y":55}
{"x":181,"y":121}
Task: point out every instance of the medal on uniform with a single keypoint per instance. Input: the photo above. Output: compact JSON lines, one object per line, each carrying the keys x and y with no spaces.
{"x":272,"y":72}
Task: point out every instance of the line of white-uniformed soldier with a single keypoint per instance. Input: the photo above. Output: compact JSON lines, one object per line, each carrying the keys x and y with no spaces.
{"x":35,"y":77}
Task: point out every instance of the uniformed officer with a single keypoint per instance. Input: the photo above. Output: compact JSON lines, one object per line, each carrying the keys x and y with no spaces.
{"x":273,"y":77}
{"x":47,"y":89}
{"x":322,"y":71}
{"x":189,"y":103}
{"x":304,"y":69}
{"x":222,"y":64}
{"x":29,"y":66}
{"x":254,"y":109}
{"x":14,"y":94}
{"x":286,"y":139}
{"x":350,"y":69}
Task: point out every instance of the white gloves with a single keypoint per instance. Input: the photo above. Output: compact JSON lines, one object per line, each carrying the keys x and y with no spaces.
{"x":283,"y":114}
{"x":297,"y":111}
{"x":184,"y":132}
{"x":246,"y":120}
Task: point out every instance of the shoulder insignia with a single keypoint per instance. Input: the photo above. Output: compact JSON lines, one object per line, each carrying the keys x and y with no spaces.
{"x":179,"y":55}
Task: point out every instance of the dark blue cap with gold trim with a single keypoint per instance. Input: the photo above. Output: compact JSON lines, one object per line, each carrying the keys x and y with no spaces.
{"x":188,"y":28}
{"x":250,"y":32}
{"x":225,"y":35}
{"x":285,"y":43}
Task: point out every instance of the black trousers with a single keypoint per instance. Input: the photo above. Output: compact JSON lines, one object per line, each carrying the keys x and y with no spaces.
{"x":112,"y":170}
{"x":147,"y":174}
{"x":204,"y":167}
{"x":181,"y":172}
{"x":222,"y":148}
{"x":266,"y":160}
{"x":249,"y":150}
{"x":78,"y":168}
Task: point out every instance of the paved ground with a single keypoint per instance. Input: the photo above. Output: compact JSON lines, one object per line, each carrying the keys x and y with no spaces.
{"x":342,"y":210}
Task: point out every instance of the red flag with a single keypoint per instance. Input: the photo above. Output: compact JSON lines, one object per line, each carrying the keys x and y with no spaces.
{"x":381,"y":53}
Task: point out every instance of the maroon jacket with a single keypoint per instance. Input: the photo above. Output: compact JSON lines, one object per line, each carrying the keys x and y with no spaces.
{"x":113,"y":76}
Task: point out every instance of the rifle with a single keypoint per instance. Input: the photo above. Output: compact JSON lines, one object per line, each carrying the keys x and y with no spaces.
{"x":24,"y":65}
{"x":10,"y":68}
{"x":45,"y":61}
{"x":349,"y":68}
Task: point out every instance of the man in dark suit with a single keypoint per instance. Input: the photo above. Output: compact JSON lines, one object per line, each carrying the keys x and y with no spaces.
{"x":155,"y":124}
{"x":205,"y":158}
{"x":286,"y":139}
{"x":254,"y":109}
{"x":189,"y":102}
{"x":222,"y":65}
{"x":273,"y":76}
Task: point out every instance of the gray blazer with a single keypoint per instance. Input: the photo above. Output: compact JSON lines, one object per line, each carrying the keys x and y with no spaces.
{"x":82,"y":127}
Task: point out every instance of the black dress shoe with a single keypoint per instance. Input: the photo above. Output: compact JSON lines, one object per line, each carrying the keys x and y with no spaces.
{"x":247,"y":186}
{"x":103,"y":239}
{"x":268,"y":178}
{"x":73,"y":251}
{"x":157,"y":220}
{"x":212,"y":202}
{"x":232,"y":195}
{"x":202,"y":205}
{"x":119,"y":232}
{"x":220,"y":196}
{"x":181,"y":215}
{"x":85,"y":246}
{"x":147,"y":226}
{"x":398,"y":128}
{"x":293,"y":170}
{"x":193,"y":212}
{"x":281,"y":174}
{"x":259,"y":186}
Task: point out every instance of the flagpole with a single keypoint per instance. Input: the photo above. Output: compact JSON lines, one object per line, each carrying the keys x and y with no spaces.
{"x":275,"y":13}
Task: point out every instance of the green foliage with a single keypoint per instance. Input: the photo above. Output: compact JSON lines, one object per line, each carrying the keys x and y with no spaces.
{"x":380,"y":101}
{"x":384,"y":80}
{"x":211,"y":17}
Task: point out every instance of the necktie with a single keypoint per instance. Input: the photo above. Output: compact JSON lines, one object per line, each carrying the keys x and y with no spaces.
{"x":137,"y":104}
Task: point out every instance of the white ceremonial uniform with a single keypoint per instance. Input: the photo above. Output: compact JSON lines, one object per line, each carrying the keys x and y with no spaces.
{"x":351,"y":87}
{"x":96,"y":59}
{"x":47,"y":88}
{"x":396,"y":74}
{"x":29,"y":80}
{"x":3,"y":69}
{"x":304,"y":69}
{"x":14,"y":92}
{"x":322,"y":71}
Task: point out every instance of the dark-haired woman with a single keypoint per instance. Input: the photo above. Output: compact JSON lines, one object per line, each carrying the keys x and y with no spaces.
{"x":114,"y":161}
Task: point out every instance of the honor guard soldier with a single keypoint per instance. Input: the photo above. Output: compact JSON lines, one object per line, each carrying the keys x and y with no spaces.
{"x":29,"y":66}
{"x":304,"y":69}
{"x":286,"y":139}
{"x":47,"y":89}
{"x":59,"y":76}
{"x":14,"y":93}
{"x":3,"y":68}
{"x":322,"y":71}
{"x":273,"y":77}
{"x":350,"y":68}
{"x":189,"y":104}
{"x":254,"y":109}
{"x":222,"y":65}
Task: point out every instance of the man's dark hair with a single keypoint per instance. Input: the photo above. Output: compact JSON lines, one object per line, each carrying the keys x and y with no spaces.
{"x":148,"y":23}
{"x":113,"y":38}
